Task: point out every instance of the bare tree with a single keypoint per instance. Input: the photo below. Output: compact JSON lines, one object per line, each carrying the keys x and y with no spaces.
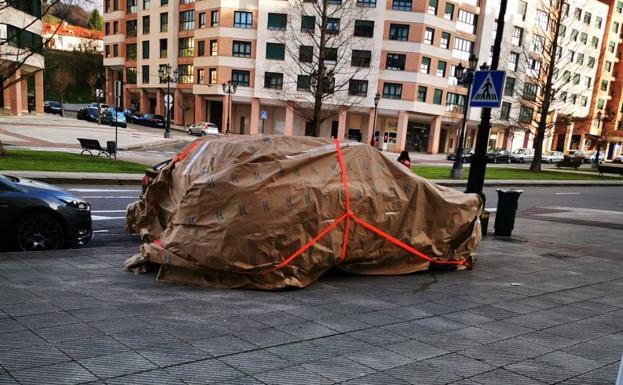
{"x":549,"y":82}
{"x":185,"y":104}
{"x":62,"y":79}
{"x":92,"y":79}
{"x":320,"y":60}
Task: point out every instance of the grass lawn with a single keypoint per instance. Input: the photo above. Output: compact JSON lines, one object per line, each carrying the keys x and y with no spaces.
{"x":27,"y":160}
{"x":443,"y":172}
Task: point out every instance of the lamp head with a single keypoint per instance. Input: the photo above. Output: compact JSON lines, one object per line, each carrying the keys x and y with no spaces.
{"x":459,"y":71}
{"x":473,"y":61}
{"x":377,"y":98}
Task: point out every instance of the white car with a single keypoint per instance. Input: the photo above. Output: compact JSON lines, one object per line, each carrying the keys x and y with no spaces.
{"x":210,"y":129}
{"x":552,"y":157}
{"x":522,"y":155}
{"x":103,"y":106}
{"x":197,"y":128}
{"x":617,"y":159}
{"x":593,"y":156}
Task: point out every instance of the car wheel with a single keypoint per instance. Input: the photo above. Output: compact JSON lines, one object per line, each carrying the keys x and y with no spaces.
{"x":521,"y":160}
{"x":39,"y":231}
{"x":190,"y":132}
{"x":495,"y":160}
{"x":508,"y":161}
{"x":203,"y":133}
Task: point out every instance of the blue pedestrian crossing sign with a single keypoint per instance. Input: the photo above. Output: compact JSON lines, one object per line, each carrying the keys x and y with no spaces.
{"x":487,"y":89}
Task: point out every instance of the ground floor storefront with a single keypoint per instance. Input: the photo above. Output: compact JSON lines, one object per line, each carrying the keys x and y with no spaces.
{"x":23,"y":91}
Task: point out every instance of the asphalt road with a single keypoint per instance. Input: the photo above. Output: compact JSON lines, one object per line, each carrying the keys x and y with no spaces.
{"x":109,"y":203}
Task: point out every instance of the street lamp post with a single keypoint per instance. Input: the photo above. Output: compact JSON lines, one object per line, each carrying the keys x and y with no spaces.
{"x":377,"y":98}
{"x":466,"y":77}
{"x":229,"y":88}
{"x":171,"y":77}
{"x":600,"y":118}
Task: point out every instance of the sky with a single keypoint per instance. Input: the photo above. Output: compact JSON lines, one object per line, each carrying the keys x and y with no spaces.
{"x":90,"y":4}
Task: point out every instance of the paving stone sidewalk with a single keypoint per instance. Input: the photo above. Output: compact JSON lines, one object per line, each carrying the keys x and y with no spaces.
{"x":544,"y":307}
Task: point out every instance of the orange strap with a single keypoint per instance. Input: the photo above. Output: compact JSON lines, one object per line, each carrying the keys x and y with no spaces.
{"x":344,"y":217}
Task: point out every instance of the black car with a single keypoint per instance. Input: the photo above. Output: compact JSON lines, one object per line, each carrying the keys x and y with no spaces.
{"x":39,"y":216}
{"x":153,"y":120}
{"x":499,"y":155}
{"x":133,"y":116}
{"x":52,"y":107}
{"x":87,"y":113}
{"x":466,"y":155}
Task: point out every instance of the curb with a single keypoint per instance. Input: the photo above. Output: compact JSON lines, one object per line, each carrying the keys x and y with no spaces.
{"x":87,"y":181}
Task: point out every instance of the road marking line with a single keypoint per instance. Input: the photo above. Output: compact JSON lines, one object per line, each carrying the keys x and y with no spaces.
{"x":107,"y":211}
{"x":100,"y":190}
{"x":100,"y":231}
{"x":491,"y":210}
{"x":568,"y":193}
{"x":103,"y":218}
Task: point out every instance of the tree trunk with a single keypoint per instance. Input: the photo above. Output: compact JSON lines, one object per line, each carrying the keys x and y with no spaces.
{"x":2,"y":150}
{"x":320,"y":77}
{"x":62,"y":104}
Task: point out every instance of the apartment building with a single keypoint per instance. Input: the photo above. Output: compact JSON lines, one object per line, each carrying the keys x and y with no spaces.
{"x":578,"y":79}
{"x":19,"y":57}
{"x":408,"y":51}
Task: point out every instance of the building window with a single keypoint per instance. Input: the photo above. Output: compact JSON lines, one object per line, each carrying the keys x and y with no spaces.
{"x":600,"y":103}
{"x":364,"y":28}
{"x":186,"y":74}
{"x":437,"y":96}
{"x":361,"y":58}
{"x":164,"y":2}
{"x":513,"y":60}
{"x":115,"y":50}
{"x":163,"y":48}
{"x":275,"y":51}
{"x":577,"y":14}
{"x":421,"y":94}
{"x":530,"y":91}
{"x":432,"y":7}
{"x":444,"y":42}
{"x":402,"y":5}
{"x":509,"y":86}
{"x":240,"y":78}
{"x":591,"y":61}
{"x":525,"y":115}
{"x":429,"y":36}
{"x":115,"y":27}
{"x":358,"y":87}
{"x":522,"y":7}
{"x":186,"y":47}
{"x":130,"y":51}
{"x":534,"y":67}
{"x":308,"y":24}
{"x":162,"y":68}
{"x":330,"y":55}
{"x":366,"y":3}
{"x":107,"y":50}
{"x":241,"y":48}
{"x":131,"y":7}
{"x":187,"y":21}
{"x":202,"y":20}
{"x":392,"y":90}
{"x":201,"y":48}
{"x":604,"y":85}
{"x":587,"y":18}
{"x":395,"y":61}
{"x":146,"y":49}
{"x":595,"y":42}
{"x":214,"y":19}
{"x":441,"y":68}
{"x":517,"y":38}
{"x":619,"y":6}
{"x":611,"y":46}
{"x":273,"y":80}
{"x":302,"y":83}
{"x":589,"y":82}
{"x":580,"y":59}
{"x":277,"y":21}
{"x":212,"y":76}
{"x":306,"y":53}
{"x":107,"y":29}
{"x":200,"y":75}
{"x":164,"y":22}
{"x":243,"y":19}
{"x":213,"y":47}
{"x":333,"y":25}
{"x":425,"y":66}
{"x":399,"y":32}
{"x":615,"y":27}
{"x":455,"y":101}
{"x":538,"y":43}
{"x":462,"y":48}
{"x":130,"y":75}
{"x":145,"y":25}
{"x":146,"y":4}
{"x":505,"y":111}
{"x":448,"y":12}
{"x":466,"y":21}
{"x":130,"y":28}
{"x":145,"y":74}
{"x":542,"y":19}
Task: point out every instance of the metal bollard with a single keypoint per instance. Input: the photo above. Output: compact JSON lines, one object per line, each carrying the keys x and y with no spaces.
{"x":506,"y":210}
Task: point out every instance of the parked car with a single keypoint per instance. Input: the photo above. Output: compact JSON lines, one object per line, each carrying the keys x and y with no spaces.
{"x":576,"y":155}
{"x":590,"y":158}
{"x":209,"y":129}
{"x":52,"y":107}
{"x":39,"y":216}
{"x":498,"y":155}
{"x":522,"y":155}
{"x":153,"y":120}
{"x":552,"y":157}
{"x":103,"y":106}
{"x":114,"y":116}
{"x":88,"y":114}
{"x":617,"y":159}
{"x":466,"y":155}
{"x":195,"y":129}
{"x":133,"y":116}
{"x":151,"y":173}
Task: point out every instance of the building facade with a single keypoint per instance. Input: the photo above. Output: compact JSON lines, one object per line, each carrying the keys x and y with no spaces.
{"x":20,"y":60}
{"x":66,"y":37}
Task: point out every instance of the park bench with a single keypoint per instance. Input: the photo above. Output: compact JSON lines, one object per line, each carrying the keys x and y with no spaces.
{"x":89,"y":145}
{"x":610,"y":169}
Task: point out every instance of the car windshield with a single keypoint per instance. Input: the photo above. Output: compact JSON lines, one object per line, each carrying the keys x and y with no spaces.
{"x":519,"y":151}
{"x":465,"y":150}
{"x":55,"y":104}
